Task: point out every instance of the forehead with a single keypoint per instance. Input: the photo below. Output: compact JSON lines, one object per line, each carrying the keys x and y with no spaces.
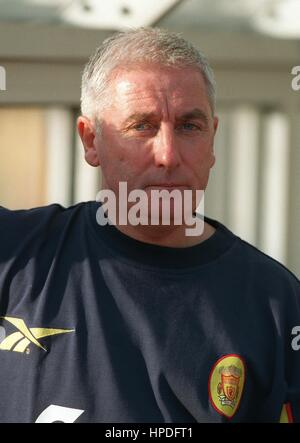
{"x":157,"y":87}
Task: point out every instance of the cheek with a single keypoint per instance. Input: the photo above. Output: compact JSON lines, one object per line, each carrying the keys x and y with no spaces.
{"x":207,"y":162}
{"x":200,"y":166}
{"x":199,"y":158}
{"x":121,"y":165}
{"x":112,"y":154}
{"x":132,"y":156}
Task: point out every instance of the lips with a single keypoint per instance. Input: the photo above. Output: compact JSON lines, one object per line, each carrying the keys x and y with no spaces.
{"x":166,"y":185}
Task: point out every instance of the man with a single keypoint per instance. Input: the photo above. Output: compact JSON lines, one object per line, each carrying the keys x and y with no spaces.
{"x":131,"y":322}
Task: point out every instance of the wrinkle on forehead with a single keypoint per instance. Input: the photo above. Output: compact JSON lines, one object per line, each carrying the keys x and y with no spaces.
{"x":133,"y":97}
{"x":160,"y":79}
{"x":132,"y":90}
{"x":158,"y":90}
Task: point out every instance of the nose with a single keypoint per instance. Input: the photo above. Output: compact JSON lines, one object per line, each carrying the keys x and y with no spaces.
{"x":166,"y":151}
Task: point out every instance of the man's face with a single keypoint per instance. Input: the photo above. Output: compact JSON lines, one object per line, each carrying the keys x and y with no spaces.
{"x":158,"y":132}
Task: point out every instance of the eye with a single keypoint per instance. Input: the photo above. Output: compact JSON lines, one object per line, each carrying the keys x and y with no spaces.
{"x":142,"y":126}
{"x":190,"y":126}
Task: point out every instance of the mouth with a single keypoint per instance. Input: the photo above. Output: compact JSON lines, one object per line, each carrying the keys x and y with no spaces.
{"x":167,"y":186}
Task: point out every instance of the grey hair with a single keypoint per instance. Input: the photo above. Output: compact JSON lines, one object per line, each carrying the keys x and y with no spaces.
{"x":135,"y":47}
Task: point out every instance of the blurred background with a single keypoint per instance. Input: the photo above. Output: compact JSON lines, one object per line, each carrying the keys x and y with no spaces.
{"x":252,"y":46}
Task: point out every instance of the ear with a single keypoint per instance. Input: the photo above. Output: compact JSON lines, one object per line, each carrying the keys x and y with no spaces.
{"x":86,"y":131}
{"x":216,"y":123}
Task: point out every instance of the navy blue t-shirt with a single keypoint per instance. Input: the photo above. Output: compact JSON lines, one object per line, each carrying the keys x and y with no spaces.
{"x":96,"y":326}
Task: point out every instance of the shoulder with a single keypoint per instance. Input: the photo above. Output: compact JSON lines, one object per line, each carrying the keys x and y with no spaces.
{"x":25,"y":226}
{"x":260,"y":260}
{"x":255,"y":267}
{"x":266,"y":274}
{"x":33,"y":218}
{"x":20,"y":216}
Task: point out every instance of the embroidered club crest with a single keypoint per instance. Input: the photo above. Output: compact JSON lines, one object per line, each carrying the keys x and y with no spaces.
{"x":226,"y":384}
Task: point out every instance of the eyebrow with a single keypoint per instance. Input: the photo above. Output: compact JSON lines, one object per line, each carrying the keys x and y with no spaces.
{"x":140,"y":116}
{"x":194,"y":114}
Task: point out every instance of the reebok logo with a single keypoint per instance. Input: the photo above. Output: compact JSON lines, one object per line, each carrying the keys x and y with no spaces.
{"x":20,"y":340}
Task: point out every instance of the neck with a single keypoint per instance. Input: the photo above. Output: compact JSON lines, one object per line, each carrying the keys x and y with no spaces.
{"x":171,"y":236}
